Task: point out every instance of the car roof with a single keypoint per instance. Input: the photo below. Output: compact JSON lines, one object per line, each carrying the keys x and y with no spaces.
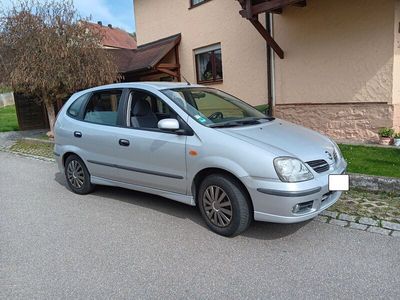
{"x":158,"y":85}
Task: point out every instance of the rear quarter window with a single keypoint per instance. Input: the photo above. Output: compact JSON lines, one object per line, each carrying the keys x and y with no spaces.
{"x":76,"y":107}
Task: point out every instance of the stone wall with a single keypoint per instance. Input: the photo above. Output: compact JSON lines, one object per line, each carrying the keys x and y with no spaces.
{"x":355,"y":121}
{"x":6,"y":99}
{"x":396,"y":117}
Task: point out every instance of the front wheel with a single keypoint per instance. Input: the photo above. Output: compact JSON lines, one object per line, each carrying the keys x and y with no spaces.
{"x":224,"y":205}
{"x":77,"y":175}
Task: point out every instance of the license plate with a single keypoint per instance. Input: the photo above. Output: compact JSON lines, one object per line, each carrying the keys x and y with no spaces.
{"x":339,"y":183}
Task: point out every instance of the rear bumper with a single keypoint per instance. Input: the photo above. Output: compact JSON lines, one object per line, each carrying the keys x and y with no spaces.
{"x":58,"y":157}
{"x":275,"y":201}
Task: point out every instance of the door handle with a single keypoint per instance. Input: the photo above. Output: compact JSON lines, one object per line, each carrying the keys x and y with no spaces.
{"x":78,"y":134}
{"x":124,"y":142}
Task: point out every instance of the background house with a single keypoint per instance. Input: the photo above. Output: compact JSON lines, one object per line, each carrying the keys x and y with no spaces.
{"x":340,"y":72}
{"x":112,"y":37}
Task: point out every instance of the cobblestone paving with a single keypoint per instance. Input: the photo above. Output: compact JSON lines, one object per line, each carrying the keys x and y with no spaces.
{"x":374,"y":205}
{"x":32,"y":144}
{"x":33,"y":148}
{"x":7,"y":139}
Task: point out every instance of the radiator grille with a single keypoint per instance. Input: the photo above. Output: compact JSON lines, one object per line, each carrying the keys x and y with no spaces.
{"x":319,"y":166}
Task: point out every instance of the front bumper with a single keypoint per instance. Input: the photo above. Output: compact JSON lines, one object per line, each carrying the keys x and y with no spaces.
{"x":275,"y":201}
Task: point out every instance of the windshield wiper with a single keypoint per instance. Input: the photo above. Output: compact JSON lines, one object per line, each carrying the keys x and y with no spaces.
{"x":249,"y":121}
{"x":226,"y":124}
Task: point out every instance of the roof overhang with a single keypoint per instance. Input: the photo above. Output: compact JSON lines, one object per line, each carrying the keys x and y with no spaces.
{"x":148,"y":57}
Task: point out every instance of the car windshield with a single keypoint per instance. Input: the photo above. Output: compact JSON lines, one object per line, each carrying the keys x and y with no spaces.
{"x":214,"y":108}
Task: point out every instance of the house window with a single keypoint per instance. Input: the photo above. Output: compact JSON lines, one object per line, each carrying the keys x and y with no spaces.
{"x":209,"y":64}
{"x":194,"y":3}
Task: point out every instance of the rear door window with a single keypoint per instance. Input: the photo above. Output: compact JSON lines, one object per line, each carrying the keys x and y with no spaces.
{"x":102,"y":108}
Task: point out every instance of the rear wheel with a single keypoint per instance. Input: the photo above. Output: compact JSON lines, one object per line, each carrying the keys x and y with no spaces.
{"x":77,"y":175}
{"x":224,"y":205}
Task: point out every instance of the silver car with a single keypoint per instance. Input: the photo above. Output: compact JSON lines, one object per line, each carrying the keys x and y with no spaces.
{"x":199,"y":146}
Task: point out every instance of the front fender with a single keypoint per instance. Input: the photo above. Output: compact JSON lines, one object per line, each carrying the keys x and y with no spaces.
{"x":214,"y":162}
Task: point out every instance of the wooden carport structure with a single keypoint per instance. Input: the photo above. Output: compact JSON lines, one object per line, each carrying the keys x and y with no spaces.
{"x":158,"y":60}
{"x":252,"y":8}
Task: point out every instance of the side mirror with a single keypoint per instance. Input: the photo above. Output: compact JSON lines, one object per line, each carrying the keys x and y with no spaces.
{"x":168,"y":124}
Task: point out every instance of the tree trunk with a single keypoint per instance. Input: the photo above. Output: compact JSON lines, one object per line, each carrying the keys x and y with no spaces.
{"x":51,"y":114}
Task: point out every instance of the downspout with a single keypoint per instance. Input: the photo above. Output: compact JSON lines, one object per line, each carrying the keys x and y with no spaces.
{"x":269,"y":22}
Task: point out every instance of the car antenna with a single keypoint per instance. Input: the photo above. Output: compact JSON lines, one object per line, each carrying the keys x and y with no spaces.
{"x":187,"y":81}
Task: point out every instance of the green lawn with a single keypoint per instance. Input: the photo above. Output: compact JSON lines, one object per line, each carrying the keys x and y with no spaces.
{"x":377,"y":161}
{"x":8,"y":119}
{"x":263,"y":108}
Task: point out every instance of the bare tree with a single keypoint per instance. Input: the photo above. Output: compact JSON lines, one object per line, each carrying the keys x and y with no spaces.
{"x":47,"y":51}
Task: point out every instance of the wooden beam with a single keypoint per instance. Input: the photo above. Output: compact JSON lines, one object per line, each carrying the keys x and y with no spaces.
{"x":272,"y":5}
{"x":278,"y":11}
{"x":169,"y":72}
{"x":270,"y":41}
{"x":242,"y":3}
{"x":301,"y":3}
{"x":177,"y":61}
{"x":168,"y":66}
{"x":248,"y":9}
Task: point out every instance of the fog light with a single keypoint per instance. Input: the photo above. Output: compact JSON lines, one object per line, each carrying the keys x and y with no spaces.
{"x":303,"y":208}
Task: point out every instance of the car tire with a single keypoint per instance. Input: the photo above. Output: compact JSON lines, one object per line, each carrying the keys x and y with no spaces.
{"x":77,"y":175}
{"x":229,"y":214}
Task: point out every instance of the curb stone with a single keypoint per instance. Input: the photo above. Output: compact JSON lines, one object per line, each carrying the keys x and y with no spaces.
{"x":322,"y":219}
{"x":373,"y":226}
{"x":358,"y":226}
{"x":338,"y":222}
{"x":368,"y":221}
{"x":390,"y":225}
{"x":375,"y":183}
{"x":330,"y":214}
{"x":346,"y":217}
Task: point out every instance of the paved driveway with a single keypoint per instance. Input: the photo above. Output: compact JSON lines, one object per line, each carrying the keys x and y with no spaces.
{"x":124,"y":244}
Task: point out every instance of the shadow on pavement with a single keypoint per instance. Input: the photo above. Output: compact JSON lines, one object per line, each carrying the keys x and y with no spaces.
{"x":257,"y":230}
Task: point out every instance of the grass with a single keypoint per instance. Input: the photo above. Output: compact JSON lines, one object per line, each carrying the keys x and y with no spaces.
{"x":262,"y":108}
{"x":369,"y":160}
{"x":8,"y":119}
{"x":33,"y":148}
{"x":5,"y":89}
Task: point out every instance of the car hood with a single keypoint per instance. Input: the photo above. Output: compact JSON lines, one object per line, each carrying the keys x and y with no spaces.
{"x":285,"y":138}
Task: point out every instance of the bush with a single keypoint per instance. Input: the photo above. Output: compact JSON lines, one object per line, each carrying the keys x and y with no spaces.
{"x":386,"y":132}
{"x":262,"y":108}
{"x":5,"y":89}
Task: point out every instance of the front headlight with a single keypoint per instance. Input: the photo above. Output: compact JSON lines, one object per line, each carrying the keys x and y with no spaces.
{"x":337,"y":150}
{"x":291,"y":169}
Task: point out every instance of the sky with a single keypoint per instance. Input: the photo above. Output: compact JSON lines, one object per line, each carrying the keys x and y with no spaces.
{"x":119,"y":13}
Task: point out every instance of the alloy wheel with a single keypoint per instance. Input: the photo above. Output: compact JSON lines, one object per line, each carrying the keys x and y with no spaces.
{"x":218,"y":206}
{"x":75,"y":174}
